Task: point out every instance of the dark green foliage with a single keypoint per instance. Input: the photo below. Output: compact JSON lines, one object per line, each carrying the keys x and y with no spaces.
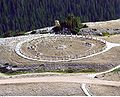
{"x":106,"y":33}
{"x":116,"y":70}
{"x":12,"y":34}
{"x":85,"y":26}
{"x":25,"y":15}
{"x":57,"y":29}
{"x":33,"y":32}
{"x":69,"y":70}
{"x":16,"y":73}
{"x":71,"y":23}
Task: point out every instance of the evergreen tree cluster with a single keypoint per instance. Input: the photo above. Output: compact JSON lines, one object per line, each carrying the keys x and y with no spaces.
{"x":25,"y":15}
{"x":71,"y":24}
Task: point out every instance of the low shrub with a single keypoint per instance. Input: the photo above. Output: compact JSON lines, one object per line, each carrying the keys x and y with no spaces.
{"x":11,"y":34}
{"x":106,"y":33}
{"x":85,"y":26}
{"x":88,"y":70}
{"x":70,"y":70}
{"x":33,"y":32}
{"x":116,"y":70}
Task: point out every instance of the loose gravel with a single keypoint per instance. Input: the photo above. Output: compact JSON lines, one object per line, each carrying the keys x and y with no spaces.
{"x":41,"y":89}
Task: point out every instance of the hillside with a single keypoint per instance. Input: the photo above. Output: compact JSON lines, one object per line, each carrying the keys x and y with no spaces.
{"x":112,"y":24}
{"x":25,"y":15}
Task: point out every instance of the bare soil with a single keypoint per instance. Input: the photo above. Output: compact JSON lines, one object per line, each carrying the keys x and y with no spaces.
{"x":112,"y":38}
{"x":108,"y":59}
{"x":65,"y":47}
{"x":112,"y":24}
{"x":112,"y":76}
{"x":41,"y":89}
{"x":102,"y":90}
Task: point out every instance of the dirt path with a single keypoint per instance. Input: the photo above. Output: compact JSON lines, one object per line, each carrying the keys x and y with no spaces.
{"x":68,"y":79}
{"x":75,"y":79}
{"x":108,"y":47}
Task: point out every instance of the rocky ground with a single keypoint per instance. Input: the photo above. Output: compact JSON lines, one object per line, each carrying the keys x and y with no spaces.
{"x":112,"y":38}
{"x":73,"y":48}
{"x":41,"y":89}
{"x":112,"y":56}
{"x":98,"y":28}
{"x":109,"y":57}
{"x":102,"y":90}
{"x":112,"y":76}
{"x":100,"y":62}
{"x":112,"y":24}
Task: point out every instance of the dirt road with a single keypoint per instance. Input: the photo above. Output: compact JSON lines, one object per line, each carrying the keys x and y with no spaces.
{"x":75,"y":79}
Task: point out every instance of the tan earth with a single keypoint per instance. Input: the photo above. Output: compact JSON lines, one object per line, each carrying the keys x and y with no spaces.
{"x":103,"y":90}
{"x":41,"y":89}
{"x":111,"y":76}
{"x":110,"y":56}
{"x":63,"y":85}
{"x":112,"y":24}
{"x":59,"y":48}
{"x":112,"y":38}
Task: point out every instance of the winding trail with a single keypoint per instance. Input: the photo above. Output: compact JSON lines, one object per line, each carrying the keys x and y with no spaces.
{"x":75,"y":79}
{"x":86,"y":91}
{"x":107,"y":47}
{"x":89,"y":79}
{"x":78,"y":79}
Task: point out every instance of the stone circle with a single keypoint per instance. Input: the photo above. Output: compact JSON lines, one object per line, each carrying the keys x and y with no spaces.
{"x":55,"y":48}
